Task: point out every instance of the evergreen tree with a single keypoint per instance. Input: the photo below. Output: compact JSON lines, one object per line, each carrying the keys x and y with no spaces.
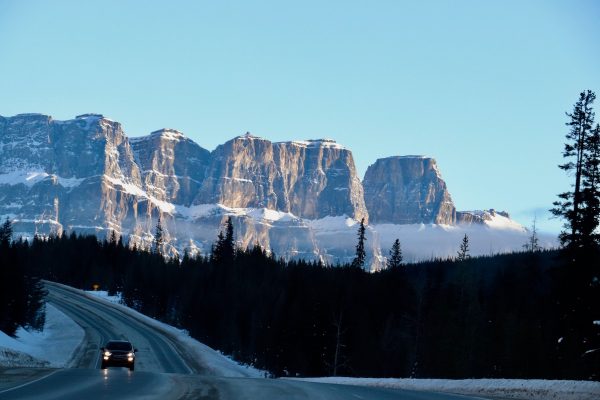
{"x":228,"y":243}
{"x":359,"y":259}
{"x":6,"y":232}
{"x":395,"y":259}
{"x":591,"y":190}
{"x":532,"y":244}
{"x":158,"y":237}
{"x":224,"y":249}
{"x":581,"y":151}
{"x":463,"y":252}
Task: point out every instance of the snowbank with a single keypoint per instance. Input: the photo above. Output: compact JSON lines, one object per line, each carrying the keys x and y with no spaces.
{"x":213,"y":360}
{"x":52,"y":347}
{"x":531,"y":389}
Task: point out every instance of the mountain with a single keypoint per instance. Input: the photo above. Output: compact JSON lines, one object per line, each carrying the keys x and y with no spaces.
{"x":407,"y":190}
{"x":299,"y":198}
{"x":310,"y":179}
{"x":172,"y":166}
{"x":58,"y":175}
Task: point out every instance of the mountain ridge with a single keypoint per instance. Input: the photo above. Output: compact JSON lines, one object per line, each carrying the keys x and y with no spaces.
{"x":85,"y":174}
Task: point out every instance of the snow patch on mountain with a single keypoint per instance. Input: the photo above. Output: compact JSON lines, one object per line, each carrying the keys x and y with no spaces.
{"x":30,"y":178}
{"x":27,"y":178}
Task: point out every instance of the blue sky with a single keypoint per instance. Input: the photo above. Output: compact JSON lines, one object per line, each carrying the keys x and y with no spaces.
{"x":481,"y":86}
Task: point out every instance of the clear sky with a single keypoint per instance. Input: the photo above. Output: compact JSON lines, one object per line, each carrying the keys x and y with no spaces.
{"x":481,"y":86}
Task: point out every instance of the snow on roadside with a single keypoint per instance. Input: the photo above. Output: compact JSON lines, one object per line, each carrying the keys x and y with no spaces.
{"x":215,"y":361}
{"x":531,"y":389}
{"x":52,"y":347}
{"x":103,"y":294}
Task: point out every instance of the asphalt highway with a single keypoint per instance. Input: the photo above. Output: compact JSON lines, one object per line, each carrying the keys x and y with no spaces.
{"x":164,"y":369}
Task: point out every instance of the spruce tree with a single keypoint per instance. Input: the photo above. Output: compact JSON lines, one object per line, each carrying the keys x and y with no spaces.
{"x":6,"y":232}
{"x":590,"y":193}
{"x":532,"y":244}
{"x":463,"y":252}
{"x":228,"y":244}
{"x":359,"y":259}
{"x":158,"y":237}
{"x":395,"y":259}
{"x":224,"y":249}
{"x":217,"y":249}
{"x":579,"y":206}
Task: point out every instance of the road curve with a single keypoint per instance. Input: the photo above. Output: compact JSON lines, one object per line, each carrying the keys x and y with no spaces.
{"x":163,"y":369}
{"x":102,"y":322}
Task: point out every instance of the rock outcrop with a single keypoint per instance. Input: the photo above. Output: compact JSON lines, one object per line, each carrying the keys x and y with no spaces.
{"x":173,"y":167}
{"x":407,"y":190}
{"x":478,"y":217}
{"x":310,"y":179}
{"x":73,"y":174}
{"x":300,"y":199}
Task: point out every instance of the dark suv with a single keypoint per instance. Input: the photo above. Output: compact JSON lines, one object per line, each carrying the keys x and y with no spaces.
{"x":118,"y":353}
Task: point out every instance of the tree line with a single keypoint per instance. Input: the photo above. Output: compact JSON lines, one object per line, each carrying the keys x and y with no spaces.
{"x":495,"y":316}
{"x":524,"y":315}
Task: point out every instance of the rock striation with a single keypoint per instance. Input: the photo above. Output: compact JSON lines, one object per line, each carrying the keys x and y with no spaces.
{"x":310,"y":179}
{"x":57,"y":175}
{"x":173,"y":166}
{"x":407,"y":190}
{"x":300,"y":199}
{"x":478,"y":217}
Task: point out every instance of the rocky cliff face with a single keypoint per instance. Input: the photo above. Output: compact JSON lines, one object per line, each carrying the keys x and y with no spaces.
{"x":407,"y":190}
{"x":479,"y":217}
{"x":173,"y":167}
{"x":300,"y":199}
{"x":57,"y":175}
{"x":310,"y":179}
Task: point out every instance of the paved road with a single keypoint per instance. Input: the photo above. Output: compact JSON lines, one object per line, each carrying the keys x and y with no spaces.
{"x":101,"y":322}
{"x":88,"y":384}
{"x":164,"y":370}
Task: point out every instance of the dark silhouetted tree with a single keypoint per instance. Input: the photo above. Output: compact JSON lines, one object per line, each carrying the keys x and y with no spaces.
{"x":6,"y":232}
{"x":533,"y":242}
{"x":577,"y":205}
{"x":591,"y":190}
{"x":359,"y":259}
{"x":395,"y":259}
{"x":463,"y":252}
{"x":224,"y":249}
{"x":159,"y":238}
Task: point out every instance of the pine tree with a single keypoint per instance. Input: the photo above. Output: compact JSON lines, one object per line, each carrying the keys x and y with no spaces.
{"x":228,"y":244}
{"x":579,"y":206}
{"x":532,"y":244}
{"x":590,"y":194}
{"x":395,"y":259}
{"x":158,"y":238}
{"x":6,"y":232}
{"x":463,"y":253}
{"x":224,"y":249}
{"x":359,"y":259}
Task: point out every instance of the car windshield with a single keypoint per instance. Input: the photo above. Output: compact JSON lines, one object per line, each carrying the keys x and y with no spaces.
{"x":118,"y":346}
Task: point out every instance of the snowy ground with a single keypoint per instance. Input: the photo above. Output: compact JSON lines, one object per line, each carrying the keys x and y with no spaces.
{"x":61,"y":336}
{"x":531,"y":389}
{"x":52,"y":347}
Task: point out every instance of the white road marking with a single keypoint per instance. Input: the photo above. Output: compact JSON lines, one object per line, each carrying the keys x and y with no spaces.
{"x":30,"y":382}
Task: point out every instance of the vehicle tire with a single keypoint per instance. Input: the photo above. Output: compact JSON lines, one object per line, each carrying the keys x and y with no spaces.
{"x":103,"y":366}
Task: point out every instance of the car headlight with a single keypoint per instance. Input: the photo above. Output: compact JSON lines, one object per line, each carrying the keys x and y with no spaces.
{"x":107,"y":354}
{"x":130,"y":354}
